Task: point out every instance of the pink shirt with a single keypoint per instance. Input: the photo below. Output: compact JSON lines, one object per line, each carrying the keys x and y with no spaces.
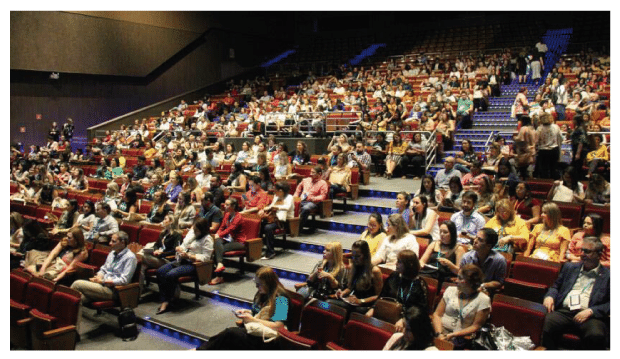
{"x":316,"y":191}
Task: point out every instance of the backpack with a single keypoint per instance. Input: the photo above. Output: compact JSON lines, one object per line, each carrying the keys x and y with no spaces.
{"x":127,"y":323}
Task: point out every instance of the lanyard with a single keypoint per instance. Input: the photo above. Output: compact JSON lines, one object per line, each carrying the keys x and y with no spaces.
{"x":542,"y":242}
{"x":401,"y":294}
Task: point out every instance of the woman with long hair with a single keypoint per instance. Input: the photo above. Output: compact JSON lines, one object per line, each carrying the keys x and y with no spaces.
{"x":396,"y":150}
{"x":237,"y":181}
{"x":398,"y":238}
{"x":339,"y":177}
{"x":442,"y":258}
{"x":300,"y":156}
{"x":128,"y":206}
{"x":85,"y":220}
{"x":174,"y":187}
{"x":327,"y":275}
{"x":364,"y":281}
{"x":405,"y":286}
{"x":425,"y":220}
{"x":159,"y":210}
{"x":592,"y":226}
{"x":184,"y":212}
{"x":569,"y":189}
{"x":164,"y":247}
{"x":549,"y":240}
{"x":429,"y":190}
{"x":418,"y":334}
{"x":54,"y":266}
{"x":270,"y":308}
{"x":512,"y":231}
{"x":465,"y":157}
{"x":526,"y":205}
{"x":283,"y":169}
{"x":374,"y":233}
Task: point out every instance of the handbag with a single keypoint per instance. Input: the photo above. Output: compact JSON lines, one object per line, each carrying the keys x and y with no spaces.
{"x":260,"y":330}
{"x":388,"y":310}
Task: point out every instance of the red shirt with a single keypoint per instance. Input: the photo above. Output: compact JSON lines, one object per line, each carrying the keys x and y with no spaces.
{"x":259,"y":199}
{"x":233,"y":227}
{"x":317,"y":191}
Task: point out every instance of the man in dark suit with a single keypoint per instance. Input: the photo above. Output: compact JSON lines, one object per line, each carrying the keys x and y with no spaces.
{"x":578,"y":301}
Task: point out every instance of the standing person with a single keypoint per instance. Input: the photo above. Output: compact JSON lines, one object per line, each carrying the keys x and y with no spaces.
{"x":327,"y":276}
{"x":525,"y":147}
{"x":197,"y":248}
{"x":312,"y":191}
{"x":67,"y":129}
{"x":270,"y":308}
{"x":549,"y":142}
{"x":521,"y":105}
{"x":579,"y":300}
{"x":579,"y":144}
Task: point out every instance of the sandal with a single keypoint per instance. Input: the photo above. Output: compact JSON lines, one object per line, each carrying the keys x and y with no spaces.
{"x":216,"y":281}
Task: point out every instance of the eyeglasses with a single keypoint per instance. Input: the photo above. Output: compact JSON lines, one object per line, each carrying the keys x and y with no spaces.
{"x":588,"y":251}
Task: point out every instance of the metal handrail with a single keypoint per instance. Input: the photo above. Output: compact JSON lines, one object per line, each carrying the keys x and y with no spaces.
{"x":489,"y":139}
{"x":431,"y":151}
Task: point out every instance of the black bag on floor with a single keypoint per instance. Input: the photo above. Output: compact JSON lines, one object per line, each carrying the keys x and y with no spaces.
{"x":127,"y":322}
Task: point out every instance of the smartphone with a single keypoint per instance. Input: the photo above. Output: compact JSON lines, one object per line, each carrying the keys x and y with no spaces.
{"x":234,"y":311}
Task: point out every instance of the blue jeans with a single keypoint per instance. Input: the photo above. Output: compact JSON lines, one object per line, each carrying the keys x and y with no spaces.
{"x":306,"y":208}
{"x":167,"y":276}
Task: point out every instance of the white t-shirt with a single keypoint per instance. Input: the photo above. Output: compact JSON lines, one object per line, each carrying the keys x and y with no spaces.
{"x":388,"y":250}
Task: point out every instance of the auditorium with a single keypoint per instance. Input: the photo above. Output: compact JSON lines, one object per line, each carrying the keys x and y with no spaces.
{"x":310,"y":180}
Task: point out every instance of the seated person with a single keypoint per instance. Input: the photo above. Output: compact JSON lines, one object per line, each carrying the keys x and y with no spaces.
{"x":63,"y":258}
{"x":442,"y":178}
{"x":327,"y":276}
{"x":579,"y":301}
{"x":473,"y":178}
{"x":418,"y":333}
{"x":184,"y":212}
{"x":395,"y":152}
{"x":453,"y":201}
{"x":199,"y":248}
{"x":374,"y":233}
{"x":598,"y":156}
{"x":118,"y":269}
{"x":511,"y":229}
{"x":464,"y":309}
{"x":598,"y":191}
{"x":466,"y":157}
{"x":526,"y":205}
{"x":425,"y":220}
{"x":398,"y":238}
{"x":592,"y":226}
{"x":270,"y":308}
{"x":211,"y":212}
{"x":229,"y":237}
{"x":442,"y":258}
{"x":403,"y":207}
{"x":162,"y":248}
{"x":405,"y":285}
{"x":105,"y":225}
{"x":312,"y":191}
{"x":567,"y":190}
{"x":158,"y":211}
{"x":549,"y":240}
{"x":428,"y":190}
{"x":468,"y":221}
{"x":256,"y":198}
{"x":276,"y":215}
{"x":339,"y":177}
{"x":492,"y":263}
{"x":363,"y":283}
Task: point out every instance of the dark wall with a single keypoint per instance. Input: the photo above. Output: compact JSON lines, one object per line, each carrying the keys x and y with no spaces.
{"x":90,"y":100}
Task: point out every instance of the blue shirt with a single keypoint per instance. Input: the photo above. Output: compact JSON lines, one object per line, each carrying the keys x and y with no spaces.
{"x":494,"y":267}
{"x":119,"y":268}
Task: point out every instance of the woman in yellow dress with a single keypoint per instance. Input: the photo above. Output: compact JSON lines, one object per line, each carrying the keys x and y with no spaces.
{"x":549,"y":240}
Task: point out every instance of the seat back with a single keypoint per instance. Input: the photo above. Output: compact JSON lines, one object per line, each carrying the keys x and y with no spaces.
{"x":388,"y":310}
{"x":571,"y":213}
{"x":520,"y":317}
{"x":296,"y":305}
{"x":433,"y":286}
{"x":64,"y":305}
{"x":322,"y":322}
{"x":19,"y":283}
{"x":148,"y":235}
{"x":39,"y":293}
{"x":131,"y":229}
{"x":535,"y":273}
{"x":98,"y":256}
{"x":365,"y":333}
{"x":423,"y":243}
{"x":145,"y":206}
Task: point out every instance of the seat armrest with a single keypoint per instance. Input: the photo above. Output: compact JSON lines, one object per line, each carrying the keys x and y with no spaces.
{"x":59,"y":331}
{"x":355,"y":191}
{"x":84,"y":271}
{"x":293,"y":226}
{"x":61,"y":339}
{"x":128,"y":295}
{"x":254,"y":248}
{"x":326,"y":208}
{"x":333,"y":346}
{"x":24,"y":322}
{"x":204,"y":271}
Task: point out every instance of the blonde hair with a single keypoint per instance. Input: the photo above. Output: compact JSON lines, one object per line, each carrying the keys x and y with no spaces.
{"x":398,"y":222}
{"x":336,"y":249}
{"x":505,"y":205}
{"x":554,"y":214}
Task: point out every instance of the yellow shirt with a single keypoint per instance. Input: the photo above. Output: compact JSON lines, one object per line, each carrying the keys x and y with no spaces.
{"x":373,"y":242}
{"x":547,"y":243}
{"x":518,"y":229}
{"x":341,"y":176}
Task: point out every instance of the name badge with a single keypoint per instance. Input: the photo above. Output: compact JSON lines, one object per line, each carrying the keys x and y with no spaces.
{"x":574,"y":302}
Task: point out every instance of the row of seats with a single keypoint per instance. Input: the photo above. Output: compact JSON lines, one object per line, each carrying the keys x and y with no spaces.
{"x":43,"y":315}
